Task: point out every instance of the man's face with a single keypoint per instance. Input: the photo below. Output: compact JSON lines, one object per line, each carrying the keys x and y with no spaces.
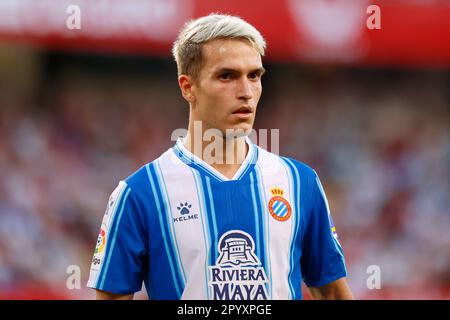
{"x":228,"y":86}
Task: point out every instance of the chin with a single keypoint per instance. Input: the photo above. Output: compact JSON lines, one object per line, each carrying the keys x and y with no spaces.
{"x":238,"y":131}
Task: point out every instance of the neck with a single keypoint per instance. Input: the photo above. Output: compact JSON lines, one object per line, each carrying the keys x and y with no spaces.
{"x":225,"y":154}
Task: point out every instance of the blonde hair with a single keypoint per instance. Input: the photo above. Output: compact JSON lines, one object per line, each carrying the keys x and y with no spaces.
{"x":187,"y":49}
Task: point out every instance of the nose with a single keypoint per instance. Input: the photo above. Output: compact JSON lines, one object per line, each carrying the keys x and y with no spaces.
{"x":245,"y":90}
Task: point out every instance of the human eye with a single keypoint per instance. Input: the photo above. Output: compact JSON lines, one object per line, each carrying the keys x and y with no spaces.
{"x":254,"y":76}
{"x":225,"y":76}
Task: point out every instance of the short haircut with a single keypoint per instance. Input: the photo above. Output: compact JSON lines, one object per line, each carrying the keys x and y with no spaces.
{"x":187,"y":49}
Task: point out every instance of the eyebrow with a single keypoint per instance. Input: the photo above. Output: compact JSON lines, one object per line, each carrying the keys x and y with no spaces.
{"x":261,"y":70}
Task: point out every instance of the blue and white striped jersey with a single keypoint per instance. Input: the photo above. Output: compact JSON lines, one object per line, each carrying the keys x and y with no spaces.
{"x":188,"y":232}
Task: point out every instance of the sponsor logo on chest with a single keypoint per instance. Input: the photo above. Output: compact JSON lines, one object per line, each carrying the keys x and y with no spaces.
{"x":238,"y":273}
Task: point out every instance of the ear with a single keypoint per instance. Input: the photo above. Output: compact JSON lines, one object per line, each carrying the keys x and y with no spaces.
{"x":187,"y":87}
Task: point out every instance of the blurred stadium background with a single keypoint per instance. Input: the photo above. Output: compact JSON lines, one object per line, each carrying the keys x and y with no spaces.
{"x":368,"y":109}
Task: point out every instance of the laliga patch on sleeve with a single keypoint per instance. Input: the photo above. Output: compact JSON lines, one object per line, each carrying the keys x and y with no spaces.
{"x":103,"y":234}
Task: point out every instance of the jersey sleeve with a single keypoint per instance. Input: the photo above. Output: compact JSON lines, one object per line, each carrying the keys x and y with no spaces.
{"x":322,"y":258}
{"x":119,"y":260}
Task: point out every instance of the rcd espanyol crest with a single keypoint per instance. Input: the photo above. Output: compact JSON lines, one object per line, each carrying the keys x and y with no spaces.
{"x":237,"y":274}
{"x":279,"y":207}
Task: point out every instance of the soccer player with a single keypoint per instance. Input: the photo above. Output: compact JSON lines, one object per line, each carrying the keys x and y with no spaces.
{"x":243,"y":223}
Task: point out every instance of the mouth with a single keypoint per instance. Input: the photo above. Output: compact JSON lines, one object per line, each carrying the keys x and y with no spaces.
{"x":243,"y":111}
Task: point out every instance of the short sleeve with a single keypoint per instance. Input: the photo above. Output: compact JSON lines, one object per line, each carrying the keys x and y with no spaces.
{"x":322,"y":258}
{"x":119,"y":261}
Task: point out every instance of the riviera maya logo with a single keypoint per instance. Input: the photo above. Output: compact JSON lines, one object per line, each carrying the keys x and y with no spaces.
{"x":101,"y":240}
{"x":238,"y":273}
{"x":279,"y":207}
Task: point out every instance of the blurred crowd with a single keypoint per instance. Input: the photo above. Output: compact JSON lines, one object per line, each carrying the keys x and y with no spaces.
{"x":378,"y":138}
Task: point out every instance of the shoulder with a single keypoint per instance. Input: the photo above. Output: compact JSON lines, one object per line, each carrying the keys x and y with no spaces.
{"x":140,"y":180}
{"x":302,"y":168}
{"x":295,"y":167}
